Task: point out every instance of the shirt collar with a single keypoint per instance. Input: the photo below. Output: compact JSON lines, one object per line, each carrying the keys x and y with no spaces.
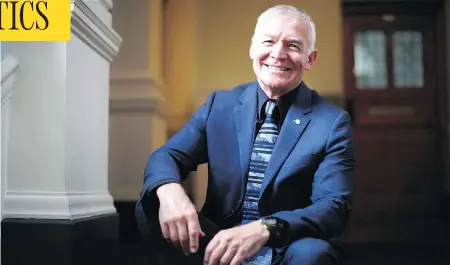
{"x":284,"y":102}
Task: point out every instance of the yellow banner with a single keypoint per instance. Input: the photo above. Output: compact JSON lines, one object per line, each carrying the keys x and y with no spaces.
{"x":43,"y":20}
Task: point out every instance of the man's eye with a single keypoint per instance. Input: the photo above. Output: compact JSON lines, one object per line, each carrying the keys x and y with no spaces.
{"x":268,"y":42}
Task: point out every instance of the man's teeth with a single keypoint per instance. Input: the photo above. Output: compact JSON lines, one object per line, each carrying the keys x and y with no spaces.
{"x":278,"y":68}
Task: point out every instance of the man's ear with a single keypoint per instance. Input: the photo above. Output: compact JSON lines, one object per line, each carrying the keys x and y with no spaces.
{"x":311,"y":60}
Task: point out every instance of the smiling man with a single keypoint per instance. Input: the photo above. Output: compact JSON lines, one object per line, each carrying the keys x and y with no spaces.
{"x":280,"y":160}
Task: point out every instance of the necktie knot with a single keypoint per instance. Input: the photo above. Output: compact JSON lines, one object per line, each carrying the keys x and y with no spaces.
{"x":270,"y":107}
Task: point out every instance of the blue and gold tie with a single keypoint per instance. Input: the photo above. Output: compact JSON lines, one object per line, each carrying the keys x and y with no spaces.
{"x":262,"y":150}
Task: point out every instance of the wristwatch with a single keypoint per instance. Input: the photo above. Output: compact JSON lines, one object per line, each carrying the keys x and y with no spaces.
{"x":278,"y":230}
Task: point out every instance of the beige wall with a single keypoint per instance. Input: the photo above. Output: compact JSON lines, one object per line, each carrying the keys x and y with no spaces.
{"x":180,"y":62}
{"x":206,"y":45}
{"x":225,"y":29}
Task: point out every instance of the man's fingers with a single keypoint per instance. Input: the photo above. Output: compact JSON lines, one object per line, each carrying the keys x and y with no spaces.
{"x":240,"y":256}
{"x":173,"y":231}
{"x":183,"y":235}
{"x":194,"y":231}
{"x":237,"y":259}
{"x":217,"y":253}
{"x":244,"y":251}
{"x":208,"y":251}
{"x":230,"y":252}
{"x":165,"y":231}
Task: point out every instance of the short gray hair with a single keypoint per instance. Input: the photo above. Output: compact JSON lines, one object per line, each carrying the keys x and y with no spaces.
{"x":292,"y":10}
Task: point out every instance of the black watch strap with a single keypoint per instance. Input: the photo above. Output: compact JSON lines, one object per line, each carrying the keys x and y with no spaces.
{"x":278,"y":229}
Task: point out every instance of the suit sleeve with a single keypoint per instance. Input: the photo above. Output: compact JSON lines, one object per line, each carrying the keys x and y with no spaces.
{"x":182,"y":154}
{"x":332,"y":189}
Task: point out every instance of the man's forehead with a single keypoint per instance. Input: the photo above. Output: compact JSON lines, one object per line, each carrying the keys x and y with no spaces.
{"x":280,"y":22}
{"x":267,"y":28}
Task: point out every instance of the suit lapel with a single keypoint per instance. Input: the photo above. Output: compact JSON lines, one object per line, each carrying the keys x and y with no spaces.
{"x":245,"y":117}
{"x":295,"y":122}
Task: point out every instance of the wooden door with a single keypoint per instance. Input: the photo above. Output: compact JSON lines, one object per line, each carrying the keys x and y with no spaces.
{"x":391,"y":86}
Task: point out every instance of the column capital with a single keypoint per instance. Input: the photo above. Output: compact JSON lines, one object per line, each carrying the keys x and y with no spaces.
{"x":93,"y":31}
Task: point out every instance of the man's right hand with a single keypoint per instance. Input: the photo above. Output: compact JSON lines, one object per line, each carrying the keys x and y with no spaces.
{"x":178,"y":218}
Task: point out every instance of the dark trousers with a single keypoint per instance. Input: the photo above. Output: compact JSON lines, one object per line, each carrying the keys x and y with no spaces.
{"x":162,"y":252}
{"x":307,"y":251}
{"x":304,"y":251}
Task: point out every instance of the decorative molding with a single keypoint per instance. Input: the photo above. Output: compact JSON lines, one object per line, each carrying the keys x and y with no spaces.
{"x":107,"y":4}
{"x":9,"y":66}
{"x":137,"y":94}
{"x":56,"y":205}
{"x":94,"y":32}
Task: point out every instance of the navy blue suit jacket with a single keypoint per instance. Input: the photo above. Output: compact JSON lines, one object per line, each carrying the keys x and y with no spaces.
{"x":309,"y":179}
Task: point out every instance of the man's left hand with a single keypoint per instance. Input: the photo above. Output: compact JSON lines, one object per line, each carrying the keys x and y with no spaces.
{"x":232,"y":246}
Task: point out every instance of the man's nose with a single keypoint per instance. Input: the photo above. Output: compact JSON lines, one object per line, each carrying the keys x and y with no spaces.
{"x":278,"y":52}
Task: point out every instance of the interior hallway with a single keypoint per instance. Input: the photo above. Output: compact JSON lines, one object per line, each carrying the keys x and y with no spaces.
{"x":74,"y":144}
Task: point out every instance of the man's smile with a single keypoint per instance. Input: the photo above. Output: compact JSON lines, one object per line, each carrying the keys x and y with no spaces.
{"x":276,"y":68}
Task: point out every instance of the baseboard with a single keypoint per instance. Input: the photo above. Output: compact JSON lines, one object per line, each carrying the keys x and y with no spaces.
{"x":84,"y":241}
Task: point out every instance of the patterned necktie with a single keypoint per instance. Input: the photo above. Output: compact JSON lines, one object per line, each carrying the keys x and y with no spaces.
{"x":262,"y":150}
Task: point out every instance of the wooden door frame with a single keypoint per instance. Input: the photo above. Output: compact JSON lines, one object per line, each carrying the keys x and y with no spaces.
{"x":413,"y":7}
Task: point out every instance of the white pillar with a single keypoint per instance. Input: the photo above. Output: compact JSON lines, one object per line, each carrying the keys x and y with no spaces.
{"x":8,"y":69}
{"x":137,"y":116}
{"x":58,"y":155}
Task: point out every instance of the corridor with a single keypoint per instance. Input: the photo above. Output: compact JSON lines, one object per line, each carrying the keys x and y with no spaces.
{"x":80,"y":119}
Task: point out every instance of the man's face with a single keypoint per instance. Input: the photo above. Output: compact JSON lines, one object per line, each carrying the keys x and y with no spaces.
{"x":280,"y":52}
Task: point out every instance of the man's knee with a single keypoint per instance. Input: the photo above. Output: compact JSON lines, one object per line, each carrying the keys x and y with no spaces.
{"x":311,"y":251}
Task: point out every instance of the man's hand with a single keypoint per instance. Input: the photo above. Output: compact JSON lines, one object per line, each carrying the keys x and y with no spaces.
{"x":233,"y":245}
{"x":178,"y":218}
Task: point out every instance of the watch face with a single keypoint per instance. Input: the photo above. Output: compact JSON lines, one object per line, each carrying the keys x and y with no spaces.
{"x":270,"y":221}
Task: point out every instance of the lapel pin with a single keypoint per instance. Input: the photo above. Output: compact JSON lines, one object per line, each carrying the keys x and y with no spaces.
{"x":297,"y":121}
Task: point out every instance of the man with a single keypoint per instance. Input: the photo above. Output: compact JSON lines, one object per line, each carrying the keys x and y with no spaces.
{"x":280,"y":162}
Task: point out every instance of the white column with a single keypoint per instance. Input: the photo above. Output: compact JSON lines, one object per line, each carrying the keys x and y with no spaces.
{"x":58,"y":142}
{"x":8,"y":69}
{"x":137,"y":117}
